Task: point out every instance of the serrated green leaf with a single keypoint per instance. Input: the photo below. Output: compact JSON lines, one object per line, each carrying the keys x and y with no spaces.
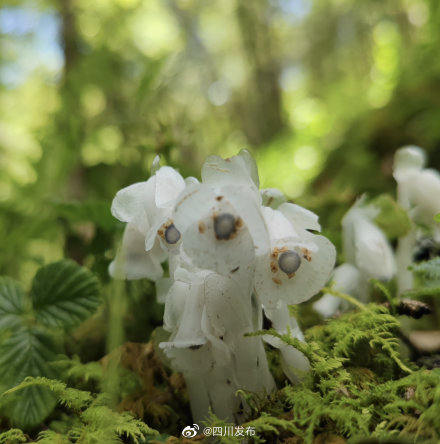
{"x":31,"y":406}
{"x":12,"y":302}
{"x":392,"y":218}
{"x":27,"y":352}
{"x":64,"y":294}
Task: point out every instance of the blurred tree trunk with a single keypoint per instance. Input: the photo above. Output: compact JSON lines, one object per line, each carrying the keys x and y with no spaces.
{"x":262,"y":111}
{"x":70,"y":119}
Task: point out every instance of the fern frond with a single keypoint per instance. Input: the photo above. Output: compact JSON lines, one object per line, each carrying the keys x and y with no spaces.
{"x":51,"y":437}
{"x":428,"y":270}
{"x":72,"y":398}
{"x":13,"y":436}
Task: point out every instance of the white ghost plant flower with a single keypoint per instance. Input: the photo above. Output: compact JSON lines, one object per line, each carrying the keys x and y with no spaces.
{"x":233,"y":252}
{"x":298,"y":263}
{"x":368,"y":254}
{"x":418,"y":191}
{"x":365,"y":244}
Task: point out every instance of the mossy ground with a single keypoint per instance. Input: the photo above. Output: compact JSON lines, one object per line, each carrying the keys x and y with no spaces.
{"x":361,"y":389}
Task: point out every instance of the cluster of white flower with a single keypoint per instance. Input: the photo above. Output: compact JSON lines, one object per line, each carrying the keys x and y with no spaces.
{"x":367,"y":251}
{"x":234,"y":252}
{"x":418,"y":192}
{"x":368,"y":255}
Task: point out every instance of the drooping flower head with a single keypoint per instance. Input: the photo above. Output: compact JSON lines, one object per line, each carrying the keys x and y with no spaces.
{"x":368,"y":255}
{"x":144,"y":206}
{"x":418,"y":191}
{"x":418,"y":187}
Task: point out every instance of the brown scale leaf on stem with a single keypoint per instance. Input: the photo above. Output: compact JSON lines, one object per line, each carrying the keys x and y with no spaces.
{"x":156,"y":398}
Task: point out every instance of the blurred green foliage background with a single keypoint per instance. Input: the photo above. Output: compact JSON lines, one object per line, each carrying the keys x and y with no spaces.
{"x":321,"y":91}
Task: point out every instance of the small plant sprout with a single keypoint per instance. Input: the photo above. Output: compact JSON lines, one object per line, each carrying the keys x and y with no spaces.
{"x":418,"y":191}
{"x":368,"y":255}
{"x":234,"y":253}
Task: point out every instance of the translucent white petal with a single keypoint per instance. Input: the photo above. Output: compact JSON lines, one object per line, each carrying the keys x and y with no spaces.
{"x":192,"y":205}
{"x":188,"y":321}
{"x":346,"y":279}
{"x":239,"y":169}
{"x":278,"y":226}
{"x":374,"y":255}
{"x":247,"y":205}
{"x":201,"y":240}
{"x":408,"y":160}
{"x":133,"y":262}
{"x":273,"y":285}
{"x":425,"y":194}
{"x":251,"y":166}
{"x":130,"y":204}
{"x":169,"y":184}
{"x":281,"y":322}
{"x":300,"y":217}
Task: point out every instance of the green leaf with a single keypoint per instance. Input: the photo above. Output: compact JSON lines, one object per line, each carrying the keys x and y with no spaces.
{"x":12,"y":436}
{"x":392,"y":218}
{"x":428,"y":270}
{"x":27,"y":352}
{"x":437,"y":218}
{"x":32,"y":406}
{"x":64,"y":294}
{"x":12,"y":302}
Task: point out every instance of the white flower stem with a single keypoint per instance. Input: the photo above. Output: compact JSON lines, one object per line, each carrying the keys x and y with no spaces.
{"x":404,"y":253}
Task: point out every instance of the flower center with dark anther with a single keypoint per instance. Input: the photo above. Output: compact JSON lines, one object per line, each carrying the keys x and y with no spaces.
{"x":224,"y":225}
{"x":289,"y":261}
{"x":172,"y":234}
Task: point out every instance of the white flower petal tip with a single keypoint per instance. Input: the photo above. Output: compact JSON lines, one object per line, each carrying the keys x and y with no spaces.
{"x":129,"y":203}
{"x":407,"y":159}
{"x":238,"y":169}
{"x":365,"y":244}
{"x":300,"y":217}
{"x":155,"y":165}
